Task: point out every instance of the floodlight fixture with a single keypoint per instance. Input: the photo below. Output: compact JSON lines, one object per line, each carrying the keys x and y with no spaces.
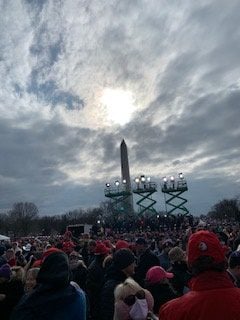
{"x":137,"y":180}
{"x":172,"y":178}
{"x":158,"y":216}
{"x":181,"y":176}
{"x":165,"y":179}
{"x":165,"y":216}
{"x":108,"y":185}
{"x":124,"y":181}
{"x":117,"y":183}
{"x":148,"y":179}
{"x":99,"y":221}
{"x":143,"y":179}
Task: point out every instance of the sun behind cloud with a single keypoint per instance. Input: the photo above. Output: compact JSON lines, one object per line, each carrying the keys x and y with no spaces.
{"x":118,"y":104}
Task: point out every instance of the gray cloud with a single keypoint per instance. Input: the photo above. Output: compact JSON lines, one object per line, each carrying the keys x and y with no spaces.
{"x":180,"y":61}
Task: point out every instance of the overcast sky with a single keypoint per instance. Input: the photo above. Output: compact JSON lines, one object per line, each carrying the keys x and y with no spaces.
{"x":79,"y":76}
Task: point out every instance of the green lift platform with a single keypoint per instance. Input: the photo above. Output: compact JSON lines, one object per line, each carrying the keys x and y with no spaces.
{"x":173,"y":190}
{"x":145,"y":190}
{"x":119,"y":199}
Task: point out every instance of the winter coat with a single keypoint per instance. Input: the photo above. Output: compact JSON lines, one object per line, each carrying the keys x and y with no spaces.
{"x":79,"y":275}
{"x":181,"y":277}
{"x":162,"y":293}
{"x":212,"y":297}
{"x":147,"y":260}
{"x":94,"y":284}
{"x":164,"y":260}
{"x":53,"y":298}
{"x":113,"y":277}
{"x":13,"y":290}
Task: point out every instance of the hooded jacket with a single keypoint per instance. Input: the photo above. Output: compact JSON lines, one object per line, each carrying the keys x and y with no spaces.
{"x":147,"y":260}
{"x":212,"y":296}
{"x":53,"y":298}
{"x":114,"y":276}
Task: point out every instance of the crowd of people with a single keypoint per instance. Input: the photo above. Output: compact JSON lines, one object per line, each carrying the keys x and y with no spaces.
{"x":188,"y":273}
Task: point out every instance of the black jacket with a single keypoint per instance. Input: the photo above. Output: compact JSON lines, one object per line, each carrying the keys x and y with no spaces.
{"x":181,"y":276}
{"x":113,"y":277}
{"x":13,"y":290}
{"x":79,"y":275}
{"x":161,"y":293}
{"x":94,"y":284}
{"x":147,"y":260}
{"x":53,"y":298}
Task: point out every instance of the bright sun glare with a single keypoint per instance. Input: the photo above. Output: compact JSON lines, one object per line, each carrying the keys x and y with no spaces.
{"x":118,"y":104}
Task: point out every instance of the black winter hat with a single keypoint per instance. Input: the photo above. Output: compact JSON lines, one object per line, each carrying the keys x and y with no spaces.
{"x":123,"y":258}
{"x":55,"y":270}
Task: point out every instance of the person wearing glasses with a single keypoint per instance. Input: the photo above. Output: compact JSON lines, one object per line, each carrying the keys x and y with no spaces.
{"x":132,"y":301}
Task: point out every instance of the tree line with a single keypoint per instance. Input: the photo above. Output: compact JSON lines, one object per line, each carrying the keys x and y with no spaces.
{"x":24,"y":219}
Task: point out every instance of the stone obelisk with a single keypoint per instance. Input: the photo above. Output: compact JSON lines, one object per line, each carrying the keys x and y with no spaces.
{"x":126,"y":175}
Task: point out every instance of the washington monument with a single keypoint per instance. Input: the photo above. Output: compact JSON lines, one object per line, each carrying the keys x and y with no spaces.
{"x":126,"y":175}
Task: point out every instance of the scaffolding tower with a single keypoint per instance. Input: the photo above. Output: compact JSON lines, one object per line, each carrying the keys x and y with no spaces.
{"x":145,"y":190}
{"x":173,"y":191}
{"x":119,"y":196}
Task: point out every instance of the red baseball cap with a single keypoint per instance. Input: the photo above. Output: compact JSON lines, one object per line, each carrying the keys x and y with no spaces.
{"x":205,"y":243}
{"x":122,"y":244}
{"x":101,"y":249}
{"x":156,"y":274}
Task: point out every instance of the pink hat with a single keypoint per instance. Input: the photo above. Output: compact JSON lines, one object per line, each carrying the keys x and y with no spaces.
{"x":156,"y":274}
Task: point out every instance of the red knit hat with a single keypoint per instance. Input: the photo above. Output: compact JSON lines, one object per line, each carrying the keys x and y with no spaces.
{"x":205,"y":243}
{"x":101,"y":249}
{"x":122,"y":244}
{"x":49,"y":251}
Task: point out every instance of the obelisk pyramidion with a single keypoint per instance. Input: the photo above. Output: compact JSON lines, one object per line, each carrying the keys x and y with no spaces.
{"x":126,"y":174}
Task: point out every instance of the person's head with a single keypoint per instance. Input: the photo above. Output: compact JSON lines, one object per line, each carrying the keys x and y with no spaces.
{"x":75,"y":256}
{"x":21,"y":261}
{"x":48,"y":252}
{"x":205,"y":253}
{"x":131,"y":301}
{"x":18,"y":273}
{"x":101,"y":250}
{"x":157,"y":275}
{"x":75,"y":260}
{"x":141,"y":246}
{"x":234,"y":263}
{"x":10,"y":254}
{"x":27,"y":247}
{"x":14,"y":245}
{"x":92,"y":246}
{"x":167,"y":245}
{"x":54,"y":271}
{"x":5,"y":273}
{"x":124,"y":260}
{"x":31,"y":279}
{"x":177,"y":255}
